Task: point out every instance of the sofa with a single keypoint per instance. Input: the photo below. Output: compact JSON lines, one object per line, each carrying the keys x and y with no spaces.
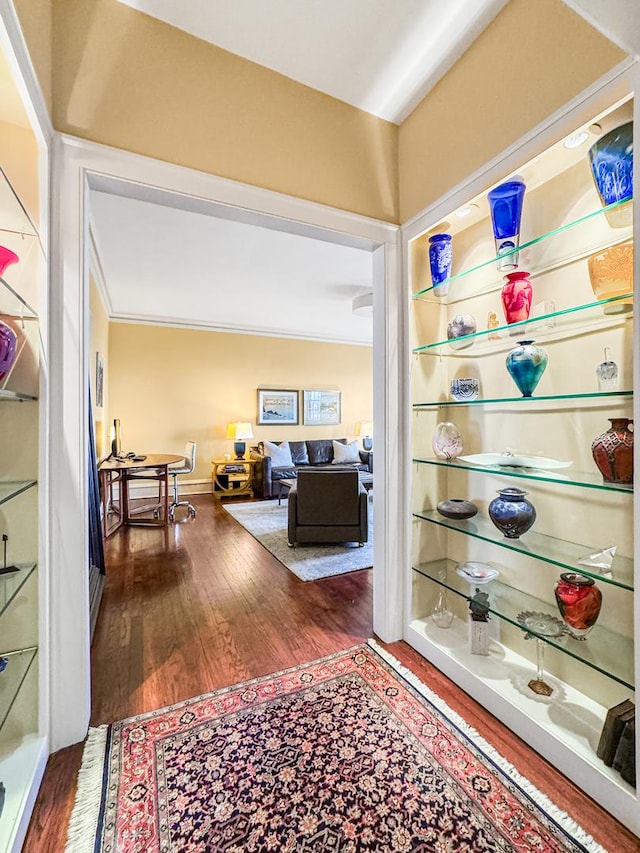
{"x":313,"y":453}
{"x":328,"y":507}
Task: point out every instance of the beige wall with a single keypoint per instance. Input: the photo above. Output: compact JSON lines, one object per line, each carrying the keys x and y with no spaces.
{"x":170,"y":385}
{"x":36,"y":18}
{"x":531,"y":60}
{"x":99,"y":343}
{"x":130,"y":81}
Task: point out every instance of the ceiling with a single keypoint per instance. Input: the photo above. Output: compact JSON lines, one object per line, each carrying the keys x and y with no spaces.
{"x":166,"y":265}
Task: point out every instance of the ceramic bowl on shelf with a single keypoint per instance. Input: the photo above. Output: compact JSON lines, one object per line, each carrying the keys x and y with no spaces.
{"x":515,"y":460}
{"x":464,"y":390}
{"x":475,"y":572}
{"x":460,"y":326}
{"x":457,"y":508}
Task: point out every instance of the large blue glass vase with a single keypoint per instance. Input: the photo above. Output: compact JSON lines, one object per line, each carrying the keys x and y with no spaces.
{"x":611,"y":159}
{"x":440,"y":260}
{"x":526,"y":363}
{"x":505,"y":204}
{"x":512,"y":513}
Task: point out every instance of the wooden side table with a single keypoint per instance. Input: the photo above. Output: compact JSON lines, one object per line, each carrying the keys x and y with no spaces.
{"x":232,"y":477}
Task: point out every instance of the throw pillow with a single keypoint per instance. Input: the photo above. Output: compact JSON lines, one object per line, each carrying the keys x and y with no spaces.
{"x":345,"y":453}
{"x":280,"y":454}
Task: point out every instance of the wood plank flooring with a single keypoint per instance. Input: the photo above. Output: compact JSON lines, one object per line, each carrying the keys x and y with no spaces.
{"x":201,"y":605}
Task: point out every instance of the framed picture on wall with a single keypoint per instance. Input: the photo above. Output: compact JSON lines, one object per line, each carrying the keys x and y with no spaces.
{"x":277,"y":407}
{"x":99,"y":401}
{"x":322,"y":408}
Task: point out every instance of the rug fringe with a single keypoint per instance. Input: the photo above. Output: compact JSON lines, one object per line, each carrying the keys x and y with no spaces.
{"x":83,"y":825}
{"x":557,"y":814}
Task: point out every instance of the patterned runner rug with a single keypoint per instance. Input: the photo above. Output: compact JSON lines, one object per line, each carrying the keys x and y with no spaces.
{"x":267,"y":522}
{"x":342,"y":755}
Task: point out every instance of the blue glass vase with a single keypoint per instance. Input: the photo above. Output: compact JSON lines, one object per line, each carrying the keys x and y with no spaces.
{"x":512,"y":513}
{"x":505,"y":204}
{"x":440,"y":259}
{"x":526,"y":363}
{"x":611,"y":159}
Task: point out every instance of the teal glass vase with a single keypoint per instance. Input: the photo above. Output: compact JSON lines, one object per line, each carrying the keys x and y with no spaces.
{"x":526,"y":363}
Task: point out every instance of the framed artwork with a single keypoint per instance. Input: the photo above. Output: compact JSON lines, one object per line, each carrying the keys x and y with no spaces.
{"x":322,"y":408}
{"x":99,"y":380}
{"x":277,"y":407}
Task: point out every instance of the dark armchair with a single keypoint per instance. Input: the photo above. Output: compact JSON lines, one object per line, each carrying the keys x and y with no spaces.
{"x":328,"y":506}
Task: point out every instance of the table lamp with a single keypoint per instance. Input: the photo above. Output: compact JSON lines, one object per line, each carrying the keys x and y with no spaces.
{"x":238,"y":432}
{"x":365,"y":430}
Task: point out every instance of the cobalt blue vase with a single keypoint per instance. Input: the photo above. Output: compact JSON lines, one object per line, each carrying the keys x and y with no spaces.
{"x":440,"y":260}
{"x":512,"y":513}
{"x":505,"y":204}
{"x":611,"y":159}
{"x":526,"y":363}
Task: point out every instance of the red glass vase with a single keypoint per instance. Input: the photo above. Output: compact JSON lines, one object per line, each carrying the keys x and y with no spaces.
{"x":579,"y":601}
{"x":613,"y":452}
{"x":7,"y":257}
{"x":8,"y":344}
{"x":517,"y":293}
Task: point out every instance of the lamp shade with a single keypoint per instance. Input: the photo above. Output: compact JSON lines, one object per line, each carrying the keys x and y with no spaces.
{"x":364,"y":428}
{"x":239,"y":430}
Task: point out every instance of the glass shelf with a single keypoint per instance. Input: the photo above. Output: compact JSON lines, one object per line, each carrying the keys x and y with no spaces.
{"x":461,"y":285}
{"x":548,"y":549}
{"x":603,"y":650}
{"x":12,"y":679}
{"x":15,"y":218}
{"x":11,"y":584}
{"x":12,"y":489}
{"x":13,"y":305}
{"x":557,"y":398}
{"x":581,"y":479}
{"x":569,"y":325}
{"x":16,"y":396}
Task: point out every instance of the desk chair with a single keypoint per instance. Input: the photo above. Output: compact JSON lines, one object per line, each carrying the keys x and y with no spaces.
{"x":185,"y":468}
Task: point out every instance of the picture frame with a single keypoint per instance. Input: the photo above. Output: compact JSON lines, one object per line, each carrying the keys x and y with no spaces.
{"x":99,"y":380}
{"x":322,"y":408}
{"x":276,"y":406}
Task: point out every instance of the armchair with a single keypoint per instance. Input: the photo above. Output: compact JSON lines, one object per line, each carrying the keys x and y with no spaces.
{"x":327,"y":506}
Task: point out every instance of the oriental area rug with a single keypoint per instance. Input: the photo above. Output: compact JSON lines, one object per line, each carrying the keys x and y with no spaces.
{"x":347,"y":754}
{"x":267,"y":522}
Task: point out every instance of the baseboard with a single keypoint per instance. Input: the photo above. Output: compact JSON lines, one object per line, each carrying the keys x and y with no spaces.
{"x":185,"y":487}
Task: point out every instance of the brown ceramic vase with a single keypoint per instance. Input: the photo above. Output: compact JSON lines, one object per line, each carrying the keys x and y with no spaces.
{"x":613,"y":452}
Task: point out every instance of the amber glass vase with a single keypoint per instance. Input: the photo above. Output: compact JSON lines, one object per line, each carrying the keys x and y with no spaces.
{"x":611,"y":274}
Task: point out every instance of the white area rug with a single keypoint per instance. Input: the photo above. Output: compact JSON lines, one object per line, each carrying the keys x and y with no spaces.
{"x":267,"y":522}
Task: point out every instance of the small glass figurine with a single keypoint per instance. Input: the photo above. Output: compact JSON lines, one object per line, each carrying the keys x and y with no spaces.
{"x":607,"y":373}
{"x":441,"y":615}
{"x":492,"y":323}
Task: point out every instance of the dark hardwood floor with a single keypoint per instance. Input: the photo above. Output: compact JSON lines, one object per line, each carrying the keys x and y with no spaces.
{"x":201,"y":605}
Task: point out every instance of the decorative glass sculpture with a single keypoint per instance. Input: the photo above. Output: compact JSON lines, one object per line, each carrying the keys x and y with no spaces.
{"x":607,"y":373}
{"x":611,"y":274}
{"x":517,"y":294}
{"x":611,"y":159}
{"x":447,"y":441}
{"x":460,"y":326}
{"x":505,"y":204}
{"x":440,"y":260}
{"x":464,"y":389}
{"x":8,"y":344}
{"x":512,"y":513}
{"x":441,"y":615}
{"x":7,"y":257}
{"x":526,"y":363}
{"x":579,"y":601}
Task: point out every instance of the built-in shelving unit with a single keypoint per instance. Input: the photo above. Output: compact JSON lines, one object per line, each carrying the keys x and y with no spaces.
{"x":578,"y":513}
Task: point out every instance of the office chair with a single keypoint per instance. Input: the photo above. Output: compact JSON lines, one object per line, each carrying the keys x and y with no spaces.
{"x":186,"y":468}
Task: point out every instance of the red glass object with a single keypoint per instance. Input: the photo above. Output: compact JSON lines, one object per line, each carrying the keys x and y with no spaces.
{"x":579,"y":601}
{"x":517,"y":293}
{"x":613,"y":452}
{"x":8,"y":342}
{"x":7,"y":257}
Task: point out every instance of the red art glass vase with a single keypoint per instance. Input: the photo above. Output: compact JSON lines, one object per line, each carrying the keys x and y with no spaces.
{"x":579,"y":601}
{"x":7,"y":257}
{"x":517,"y":293}
{"x":613,"y":452}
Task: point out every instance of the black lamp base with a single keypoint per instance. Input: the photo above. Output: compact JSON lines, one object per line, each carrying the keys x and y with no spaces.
{"x":240,"y":448}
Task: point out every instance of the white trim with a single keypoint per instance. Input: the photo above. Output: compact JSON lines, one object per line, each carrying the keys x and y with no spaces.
{"x":81,"y":165}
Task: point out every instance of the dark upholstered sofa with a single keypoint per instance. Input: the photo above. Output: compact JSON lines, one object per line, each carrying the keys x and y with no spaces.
{"x":327,"y":506}
{"x":316,"y":453}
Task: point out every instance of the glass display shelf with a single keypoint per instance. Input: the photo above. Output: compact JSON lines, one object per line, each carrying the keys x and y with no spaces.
{"x":602,"y":649}
{"x":13,"y":488}
{"x":11,"y":584}
{"x":548,"y":549}
{"x":16,"y":396}
{"x":473,"y":281}
{"x":13,"y":305}
{"x":13,"y":215}
{"x":555,"y":398}
{"x":581,"y":479}
{"x":12,"y":679}
{"x":587,"y":316}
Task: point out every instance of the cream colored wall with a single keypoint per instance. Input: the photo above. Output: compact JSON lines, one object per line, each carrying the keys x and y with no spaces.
{"x":170,"y":385}
{"x":99,"y":343}
{"x":36,"y":21}
{"x":127,"y":80}
{"x":532,"y":59}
